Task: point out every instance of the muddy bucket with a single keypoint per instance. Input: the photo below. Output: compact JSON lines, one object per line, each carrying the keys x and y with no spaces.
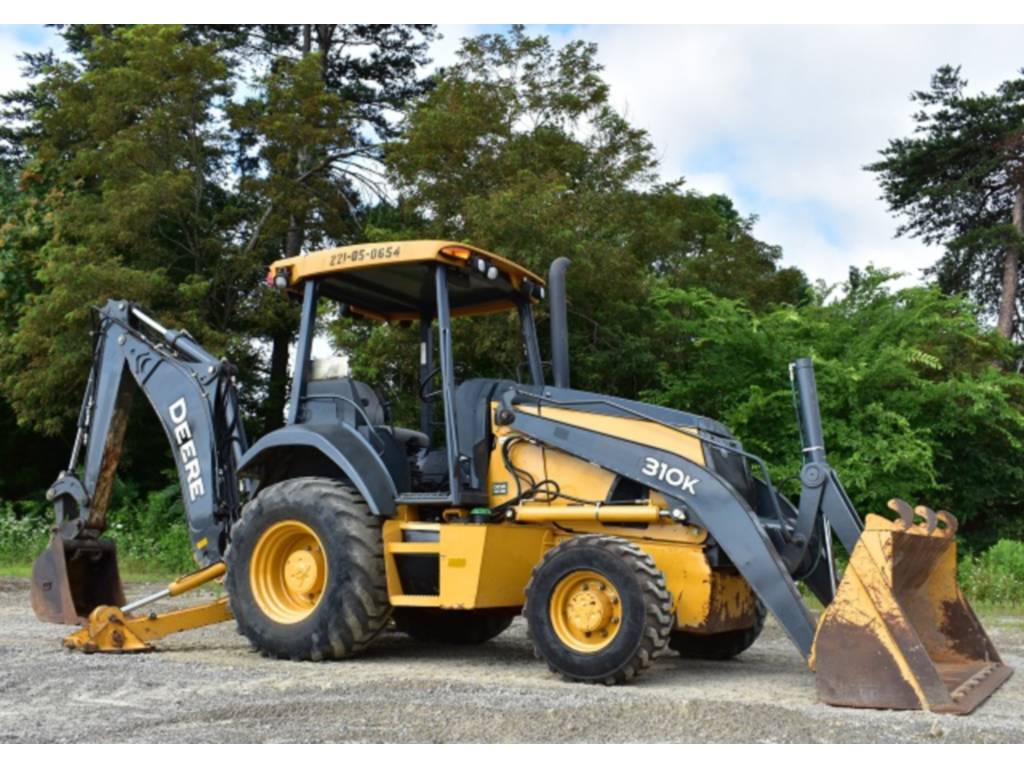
{"x":72,"y":577}
{"x":900,"y":634}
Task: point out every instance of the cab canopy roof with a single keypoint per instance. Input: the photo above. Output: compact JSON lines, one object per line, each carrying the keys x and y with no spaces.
{"x":394,"y":281}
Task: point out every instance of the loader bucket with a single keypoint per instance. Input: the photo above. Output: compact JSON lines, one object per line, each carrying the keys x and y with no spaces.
{"x":72,"y":577}
{"x":899,"y":633}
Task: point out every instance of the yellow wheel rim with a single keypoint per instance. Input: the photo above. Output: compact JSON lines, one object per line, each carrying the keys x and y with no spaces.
{"x":586,"y":611}
{"x":287,"y":571}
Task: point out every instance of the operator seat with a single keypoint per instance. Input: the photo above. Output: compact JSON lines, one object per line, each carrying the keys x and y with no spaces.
{"x":329,"y":379}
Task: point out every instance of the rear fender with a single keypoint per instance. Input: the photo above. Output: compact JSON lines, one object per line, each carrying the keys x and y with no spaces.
{"x":300,"y":449}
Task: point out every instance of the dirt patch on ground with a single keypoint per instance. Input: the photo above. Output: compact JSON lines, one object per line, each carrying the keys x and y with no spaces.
{"x":208,"y":686}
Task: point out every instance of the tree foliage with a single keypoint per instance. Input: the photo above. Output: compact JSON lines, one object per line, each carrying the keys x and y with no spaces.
{"x":309,"y":141}
{"x":911,"y":403}
{"x":169,"y":165}
{"x":518,"y":148}
{"x":957,"y":181}
{"x":122,"y":159}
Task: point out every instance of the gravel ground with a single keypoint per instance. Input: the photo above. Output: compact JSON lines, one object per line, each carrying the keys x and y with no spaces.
{"x":208,"y":686}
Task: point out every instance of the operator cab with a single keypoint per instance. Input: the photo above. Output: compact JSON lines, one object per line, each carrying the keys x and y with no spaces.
{"x":427,"y":283}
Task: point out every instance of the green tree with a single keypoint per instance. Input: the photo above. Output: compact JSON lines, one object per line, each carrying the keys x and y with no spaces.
{"x":959,"y":182}
{"x":119,"y":156}
{"x":911,"y":403}
{"x":518,"y":149}
{"x":701,"y":240}
{"x":311,"y":140}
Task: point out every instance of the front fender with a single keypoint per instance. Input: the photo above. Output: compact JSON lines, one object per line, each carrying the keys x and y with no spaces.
{"x":285,"y":453}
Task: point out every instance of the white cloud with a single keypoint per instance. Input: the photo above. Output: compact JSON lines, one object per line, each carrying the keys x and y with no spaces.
{"x":443,"y":50}
{"x":711,"y":183}
{"x":784,"y":119}
{"x":10,"y":67}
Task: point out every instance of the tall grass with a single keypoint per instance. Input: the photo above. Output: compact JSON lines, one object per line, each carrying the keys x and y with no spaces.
{"x":996,"y":576}
{"x":149,"y":528}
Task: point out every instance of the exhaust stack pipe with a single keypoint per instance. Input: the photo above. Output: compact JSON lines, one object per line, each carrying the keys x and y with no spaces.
{"x":559,"y":322}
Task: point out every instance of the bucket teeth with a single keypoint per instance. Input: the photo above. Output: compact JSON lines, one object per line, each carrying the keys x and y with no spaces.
{"x":909,"y":515}
{"x":904,"y":510}
{"x":900,"y":633}
{"x":929,"y":515}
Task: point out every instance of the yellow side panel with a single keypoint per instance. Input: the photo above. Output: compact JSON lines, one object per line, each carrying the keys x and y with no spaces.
{"x":391,"y":534}
{"x":576,"y":477}
{"x":488,"y":566}
{"x":682,"y":443}
{"x":706,"y":600}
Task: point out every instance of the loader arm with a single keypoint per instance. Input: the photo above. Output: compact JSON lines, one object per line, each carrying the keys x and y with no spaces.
{"x":773,"y":545}
{"x":704,"y":499}
{"x":193,"y":395}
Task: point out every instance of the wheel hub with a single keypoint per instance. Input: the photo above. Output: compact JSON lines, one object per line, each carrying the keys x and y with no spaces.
{"x":586,"y":611}
{"x":287,"y":571}
{"x":301,"y":572}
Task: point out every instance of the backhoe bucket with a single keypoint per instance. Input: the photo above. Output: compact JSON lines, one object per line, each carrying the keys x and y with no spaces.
{"x":900,"y":634}
{"x":72,"y":577}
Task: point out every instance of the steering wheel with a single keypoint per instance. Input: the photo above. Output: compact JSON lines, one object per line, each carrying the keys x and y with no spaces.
{"x":429,"y":397}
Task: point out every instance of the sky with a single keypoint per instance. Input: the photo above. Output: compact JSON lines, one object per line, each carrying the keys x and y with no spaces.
{"x":782,"y":118}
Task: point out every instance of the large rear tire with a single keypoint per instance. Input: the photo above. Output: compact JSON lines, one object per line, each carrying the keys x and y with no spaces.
{"x":305,"y":571}
{"x":719,"y":647}
{"x":597,"y":609}
{"x":429,"y":625}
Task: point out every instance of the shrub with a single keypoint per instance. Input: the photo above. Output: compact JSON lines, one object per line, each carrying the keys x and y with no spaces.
{"x":996,"y":576}
{"x":24,"y":531}
{"x":150,"y":531}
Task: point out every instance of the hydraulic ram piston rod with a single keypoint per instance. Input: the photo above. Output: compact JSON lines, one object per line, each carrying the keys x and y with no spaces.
{"x":184,"y":584}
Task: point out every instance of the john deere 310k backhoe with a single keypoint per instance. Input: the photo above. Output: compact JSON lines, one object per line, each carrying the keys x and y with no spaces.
{"x":618,"y":529}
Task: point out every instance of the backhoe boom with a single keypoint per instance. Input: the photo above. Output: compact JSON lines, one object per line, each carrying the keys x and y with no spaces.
{"x":193,"y":395}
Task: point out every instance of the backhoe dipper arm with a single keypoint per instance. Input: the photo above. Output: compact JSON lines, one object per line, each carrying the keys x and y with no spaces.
{"x":194,"y":397}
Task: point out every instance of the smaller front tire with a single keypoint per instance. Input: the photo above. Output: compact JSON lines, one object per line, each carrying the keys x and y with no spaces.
{"x":597,"y":609}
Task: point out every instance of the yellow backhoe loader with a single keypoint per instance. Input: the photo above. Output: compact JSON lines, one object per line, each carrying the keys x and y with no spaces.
{"x":617,"y":529}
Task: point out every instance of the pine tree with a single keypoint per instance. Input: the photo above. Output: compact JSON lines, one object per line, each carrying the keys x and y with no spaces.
{"x":311,"y":139}
{"x":959,"y":182}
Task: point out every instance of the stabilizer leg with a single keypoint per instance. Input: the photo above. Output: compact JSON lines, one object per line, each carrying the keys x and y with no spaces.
{"x":113,"y":630}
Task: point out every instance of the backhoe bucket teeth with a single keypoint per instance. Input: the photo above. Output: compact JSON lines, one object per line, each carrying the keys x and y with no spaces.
{"x":900,"y":634}
{"x":72,"y":577}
